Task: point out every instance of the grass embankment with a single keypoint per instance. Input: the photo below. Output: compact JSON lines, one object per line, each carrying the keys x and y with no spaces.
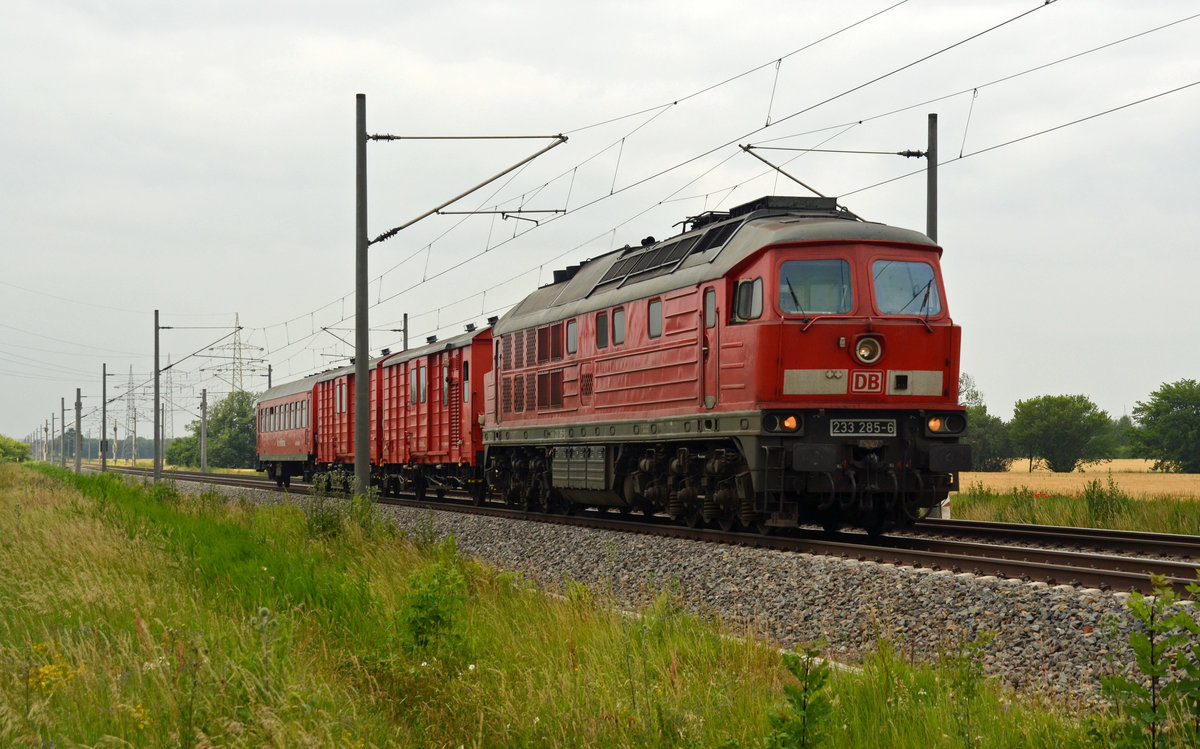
{"x":141,"y":617}
{"x":1119,"y":494}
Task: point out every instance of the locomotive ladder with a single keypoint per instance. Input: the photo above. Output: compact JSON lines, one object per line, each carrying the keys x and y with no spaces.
{"x":455,"y":417}
{"x":774,"y":477}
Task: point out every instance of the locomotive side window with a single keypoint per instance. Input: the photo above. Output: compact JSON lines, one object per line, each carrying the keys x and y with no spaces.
{"x":808,"y":287}
{"x":618,"y":326}
{"x":654,"y":318}
{"x":749,"y":302}
{"x":905,"y":288}
{"x":710,"y":308}
{"x":466,"y":381}
{"x":543,"y":345}
{"x":413,"y":385}
{"x":601,"y":330}
{"x":424,"y":380}
{"x":572,"y":337}
{"x":556,"y":341}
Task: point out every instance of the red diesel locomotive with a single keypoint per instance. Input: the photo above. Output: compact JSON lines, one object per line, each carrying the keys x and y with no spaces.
{"x":780,"y":363}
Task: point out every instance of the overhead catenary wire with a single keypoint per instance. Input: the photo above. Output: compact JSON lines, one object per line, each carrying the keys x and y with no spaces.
{"x":975,"y":88}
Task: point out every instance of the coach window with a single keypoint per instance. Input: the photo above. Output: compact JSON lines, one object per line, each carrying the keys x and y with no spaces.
{"x":572,"y":337}
{"x":618,"y":326}
{"x":710,"y":308}
{"x":654,"y":318}
{"x":748,"y":304}
{"x":601,"y":330}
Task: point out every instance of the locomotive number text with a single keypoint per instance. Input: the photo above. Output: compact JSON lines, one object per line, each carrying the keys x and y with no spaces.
{"x":862,"y":427}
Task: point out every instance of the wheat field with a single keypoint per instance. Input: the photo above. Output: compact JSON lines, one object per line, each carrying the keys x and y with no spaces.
{"x":1132,"y":475}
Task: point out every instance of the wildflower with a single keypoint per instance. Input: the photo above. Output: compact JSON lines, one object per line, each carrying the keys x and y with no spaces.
{"x":141,"y":715}
{"x":471,"y":667}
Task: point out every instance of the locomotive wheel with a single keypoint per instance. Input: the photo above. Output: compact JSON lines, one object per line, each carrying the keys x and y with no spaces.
{"x":727,"y":522}
{"x":874,"y":522}
{"x":831,"y":519}
{"x":693,"y":519}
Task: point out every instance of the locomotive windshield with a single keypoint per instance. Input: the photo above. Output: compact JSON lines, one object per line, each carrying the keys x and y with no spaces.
{"x":808,"y":287}
{"x":905,"y":288}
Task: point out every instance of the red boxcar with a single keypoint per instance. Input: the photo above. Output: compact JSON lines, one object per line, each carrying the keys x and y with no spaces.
{"x":779,"y":363}
{"x":430,"y":400}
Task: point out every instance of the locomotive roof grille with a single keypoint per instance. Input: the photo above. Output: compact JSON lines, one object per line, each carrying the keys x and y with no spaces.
{"x":667,"y":255}
{"x":650,"y":259}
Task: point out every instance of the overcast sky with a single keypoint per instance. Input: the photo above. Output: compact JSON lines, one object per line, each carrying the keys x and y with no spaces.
{"x":198,"y":159}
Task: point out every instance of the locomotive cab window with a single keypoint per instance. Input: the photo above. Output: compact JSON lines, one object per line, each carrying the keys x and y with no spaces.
{"x":815,"y":287}
{"x":905,"y":288}
{"x":654,"y":318}
{"x":710,"y":308}
{"x":748,"y":303}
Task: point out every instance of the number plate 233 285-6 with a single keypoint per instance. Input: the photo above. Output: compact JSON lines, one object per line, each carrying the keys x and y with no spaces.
{"x":862,"y":427}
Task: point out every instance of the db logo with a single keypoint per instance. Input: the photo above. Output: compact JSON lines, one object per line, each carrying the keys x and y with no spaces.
{"x":863,"y":381}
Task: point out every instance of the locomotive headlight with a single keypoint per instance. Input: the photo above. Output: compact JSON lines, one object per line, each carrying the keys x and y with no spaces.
{"x":868,"y":350}
{"x":946,"y":424}
{"x":781,"y":422}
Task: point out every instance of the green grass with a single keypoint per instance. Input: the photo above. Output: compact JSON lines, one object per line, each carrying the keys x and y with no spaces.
{"x":1100,"y":505}
{"x":143,"y":617}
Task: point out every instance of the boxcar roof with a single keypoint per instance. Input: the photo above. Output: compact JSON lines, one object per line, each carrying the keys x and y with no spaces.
{"x":693,"y":257}
{"x":459,"y":341}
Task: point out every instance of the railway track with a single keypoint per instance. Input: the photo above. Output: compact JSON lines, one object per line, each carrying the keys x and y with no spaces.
{"x":1086,"y":557}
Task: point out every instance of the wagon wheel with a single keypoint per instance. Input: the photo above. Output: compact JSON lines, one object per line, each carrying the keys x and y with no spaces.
{"x":478,"y":491}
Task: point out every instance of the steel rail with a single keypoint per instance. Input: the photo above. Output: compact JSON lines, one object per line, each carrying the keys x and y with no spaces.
{"x":1040,"y":565}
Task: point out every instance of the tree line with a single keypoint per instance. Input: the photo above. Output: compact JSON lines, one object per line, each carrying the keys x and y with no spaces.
{"x":1068,"y":431}
{"x":1064,"y":431}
